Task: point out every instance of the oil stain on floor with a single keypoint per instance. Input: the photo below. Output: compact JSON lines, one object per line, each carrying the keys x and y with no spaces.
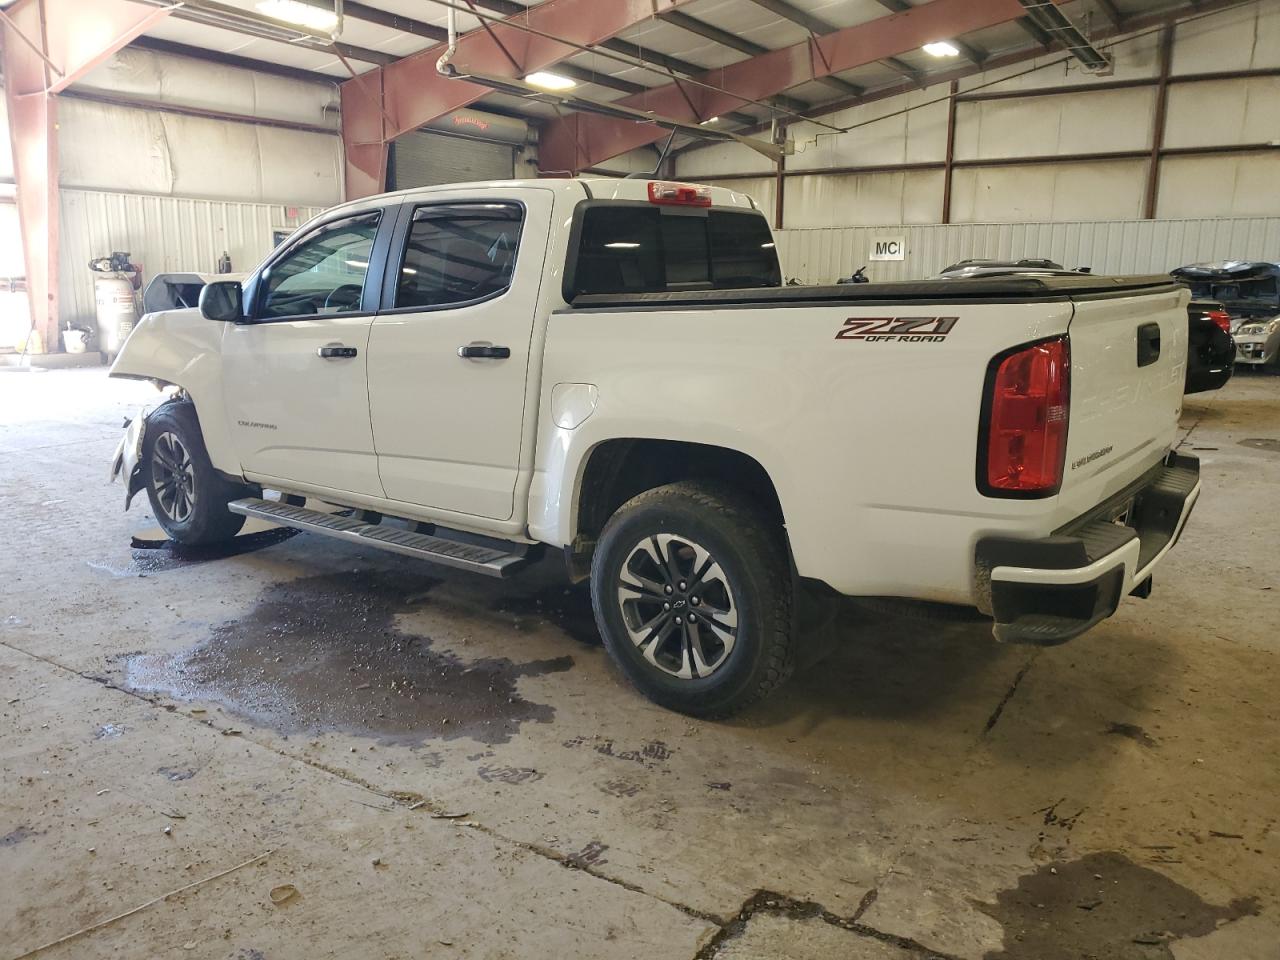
{"x":324,"y":653}
{"x":1104,"y":907}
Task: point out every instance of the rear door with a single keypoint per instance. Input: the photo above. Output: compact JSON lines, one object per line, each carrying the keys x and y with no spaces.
{"x":449,"y":360}
{"x":1128,"y":364}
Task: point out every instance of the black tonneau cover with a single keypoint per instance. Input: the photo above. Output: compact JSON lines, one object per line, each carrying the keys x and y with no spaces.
{"x":980,"y":289}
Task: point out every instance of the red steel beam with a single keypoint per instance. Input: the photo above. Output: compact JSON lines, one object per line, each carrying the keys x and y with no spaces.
{"x":48,"y":45}
{"x":577,"y":141}
{"x":33,"y":137}
{"x":385,"y":103}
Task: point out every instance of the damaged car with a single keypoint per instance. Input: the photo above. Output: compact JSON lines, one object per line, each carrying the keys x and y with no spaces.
{"x":1250,"y":291}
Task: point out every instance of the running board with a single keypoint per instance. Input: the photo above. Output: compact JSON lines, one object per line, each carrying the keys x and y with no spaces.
{"x":449,"y":553}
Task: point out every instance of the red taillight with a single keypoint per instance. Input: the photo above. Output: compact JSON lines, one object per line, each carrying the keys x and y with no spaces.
{"x":684,"y":194}
{"x":1027,"y":430}
{"x":1221,"y":318}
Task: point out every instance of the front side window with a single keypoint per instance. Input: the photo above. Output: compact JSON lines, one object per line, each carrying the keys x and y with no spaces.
{"x":325,"y":273}
{"x":637,"y":248}
{"x":459,"y":253}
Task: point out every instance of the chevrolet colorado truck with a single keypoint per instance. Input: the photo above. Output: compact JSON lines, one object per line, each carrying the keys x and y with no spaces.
{"x":474,"y":374}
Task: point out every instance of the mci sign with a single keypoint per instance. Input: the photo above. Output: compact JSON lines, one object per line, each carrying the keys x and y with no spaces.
{"x":888,"y":248}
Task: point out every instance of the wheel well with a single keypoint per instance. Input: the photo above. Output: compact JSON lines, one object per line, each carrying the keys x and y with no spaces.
{"x":619,"y":469}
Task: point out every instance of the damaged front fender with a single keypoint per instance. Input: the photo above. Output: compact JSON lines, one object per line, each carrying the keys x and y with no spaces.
{"x":127,"y":461}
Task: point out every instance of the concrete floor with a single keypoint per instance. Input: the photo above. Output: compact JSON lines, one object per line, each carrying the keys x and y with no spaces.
{"x":445,"y":766}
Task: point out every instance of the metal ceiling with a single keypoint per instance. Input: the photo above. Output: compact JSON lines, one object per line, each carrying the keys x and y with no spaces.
{"x":701,"y":36}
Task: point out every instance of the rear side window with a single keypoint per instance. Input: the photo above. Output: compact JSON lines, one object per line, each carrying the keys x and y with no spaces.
{"x":640,"y":248}
{"x":459,"y":253}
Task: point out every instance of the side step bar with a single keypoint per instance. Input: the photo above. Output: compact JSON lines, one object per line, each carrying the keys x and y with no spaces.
{"x":449,"y":553}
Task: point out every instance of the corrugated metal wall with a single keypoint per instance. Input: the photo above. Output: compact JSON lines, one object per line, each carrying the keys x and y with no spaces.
{"x":1136,"y":246}
{"x":912,"y":128}
{"x":163,"y":234}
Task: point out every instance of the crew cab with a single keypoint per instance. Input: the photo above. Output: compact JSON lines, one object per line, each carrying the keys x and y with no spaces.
{"x":612,"y":369}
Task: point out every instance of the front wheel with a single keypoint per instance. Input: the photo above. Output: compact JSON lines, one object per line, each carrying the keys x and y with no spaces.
{"x":188,"y":497}
{"x":693,"y":595}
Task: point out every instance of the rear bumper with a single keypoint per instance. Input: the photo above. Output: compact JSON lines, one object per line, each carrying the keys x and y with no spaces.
{"x":1054,"y":588}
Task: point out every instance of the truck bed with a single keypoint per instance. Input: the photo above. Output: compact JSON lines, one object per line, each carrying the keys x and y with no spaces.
{"x":1012,"y":289}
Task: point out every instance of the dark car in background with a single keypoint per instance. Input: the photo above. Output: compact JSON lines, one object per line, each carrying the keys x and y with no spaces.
{"x":1249,"y":290}
{"x":1211,"y":351}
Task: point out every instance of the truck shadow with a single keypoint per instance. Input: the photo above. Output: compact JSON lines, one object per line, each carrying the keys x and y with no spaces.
{"x":948,"y":687}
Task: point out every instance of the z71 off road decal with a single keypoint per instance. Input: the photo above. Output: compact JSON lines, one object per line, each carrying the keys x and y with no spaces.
{"x":904,"y":329}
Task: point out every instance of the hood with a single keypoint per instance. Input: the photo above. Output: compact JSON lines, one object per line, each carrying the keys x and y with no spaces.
{"x":1227,"y":270}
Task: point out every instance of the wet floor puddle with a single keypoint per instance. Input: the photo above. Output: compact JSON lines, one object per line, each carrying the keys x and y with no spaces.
{"x":569,"y":608}
{"x":1105,"y":907}
{"x":324,"y":653}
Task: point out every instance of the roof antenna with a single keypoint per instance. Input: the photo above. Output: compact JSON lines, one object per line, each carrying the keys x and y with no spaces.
{"x":639,"y":174}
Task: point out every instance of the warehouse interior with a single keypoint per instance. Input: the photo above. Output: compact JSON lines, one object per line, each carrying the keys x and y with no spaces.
{"x":291,"y":745}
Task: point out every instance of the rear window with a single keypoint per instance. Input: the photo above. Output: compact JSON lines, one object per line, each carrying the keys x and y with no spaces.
{"x":641,"y":248}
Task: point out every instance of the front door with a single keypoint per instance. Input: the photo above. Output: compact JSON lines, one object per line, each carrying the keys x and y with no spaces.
{"x":295,"y":373}
{"x":448,"y":361}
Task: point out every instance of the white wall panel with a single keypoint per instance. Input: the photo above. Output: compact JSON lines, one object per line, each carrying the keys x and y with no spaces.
{"x":1044,"y":126}
{"x":839,"y":199}
{"x":1239,"y":38}
{"x":1236,"y":185}
{"x":109,"y":147}
{"x":718,"y":158}
{"x":1221,"y":112}
{"x":163,"y":234}
{"x":1060,"y":191}
{"x":186,"y":82}
{"x":879,"y":133}
{"x":1204,"y":113}
{"x":1135,"y":59}
{"x":1115,"y":247}
{"x":760,"y":189}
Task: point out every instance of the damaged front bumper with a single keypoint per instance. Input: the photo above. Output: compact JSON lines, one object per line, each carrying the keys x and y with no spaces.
{"x":1256,"y":351}
{"x":127,"y":461}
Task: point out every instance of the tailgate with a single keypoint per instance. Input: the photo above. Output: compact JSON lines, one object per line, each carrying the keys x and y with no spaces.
{"x":1128,"y":360}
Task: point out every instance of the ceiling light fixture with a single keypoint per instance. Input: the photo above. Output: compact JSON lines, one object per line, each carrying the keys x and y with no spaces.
{"x":622,"y":245}
{"x":941,"y":48}
{"x":549,"y":81}
{"x":308,"y":15}
{"x":703,"y":123}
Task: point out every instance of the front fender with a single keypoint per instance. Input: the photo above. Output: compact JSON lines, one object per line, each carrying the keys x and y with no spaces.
{"x":183,"y":348}
{"x":128,"y":456}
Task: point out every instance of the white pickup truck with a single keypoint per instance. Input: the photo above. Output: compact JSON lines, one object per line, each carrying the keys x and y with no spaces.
{"x":613,"y":369}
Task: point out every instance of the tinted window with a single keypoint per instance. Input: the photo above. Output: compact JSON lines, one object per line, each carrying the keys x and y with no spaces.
{"x":324,"y":274}
{"x":640,"y":248}
{"x":744,"y":252}
{"x":458,"y":253}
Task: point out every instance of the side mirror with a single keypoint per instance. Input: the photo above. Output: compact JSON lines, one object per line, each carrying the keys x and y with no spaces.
{"x":222,"y":300}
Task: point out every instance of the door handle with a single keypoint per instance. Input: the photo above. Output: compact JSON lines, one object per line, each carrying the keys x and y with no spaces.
{"x":1148,"y":344}
{"x":336,"y":351}
{"x":483,"y":351}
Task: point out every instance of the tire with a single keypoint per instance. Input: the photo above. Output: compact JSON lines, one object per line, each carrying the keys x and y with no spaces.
{"x":741,"y":647}
{"x":188,"y":497}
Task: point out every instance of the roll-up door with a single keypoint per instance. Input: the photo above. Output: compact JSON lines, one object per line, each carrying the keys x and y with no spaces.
{"x":427,"y":159}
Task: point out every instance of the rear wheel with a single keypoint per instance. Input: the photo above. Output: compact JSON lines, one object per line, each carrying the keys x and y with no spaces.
{"x":188,"y":497}
{"x":693,"y":595}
